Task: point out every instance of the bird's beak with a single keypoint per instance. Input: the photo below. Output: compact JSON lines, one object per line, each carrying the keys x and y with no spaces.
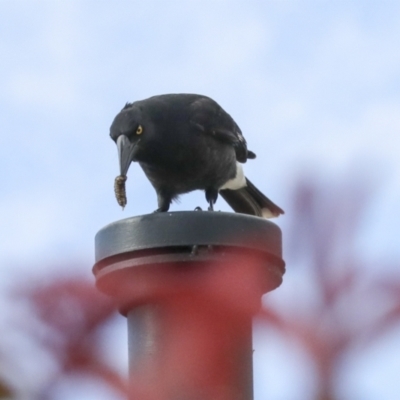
{"x":125,"y":153}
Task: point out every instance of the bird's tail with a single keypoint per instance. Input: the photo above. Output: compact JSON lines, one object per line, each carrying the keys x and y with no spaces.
{"x":249,"y":200}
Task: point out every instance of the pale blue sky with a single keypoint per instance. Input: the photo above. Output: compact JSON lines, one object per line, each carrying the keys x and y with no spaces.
{"x":314,"y":86}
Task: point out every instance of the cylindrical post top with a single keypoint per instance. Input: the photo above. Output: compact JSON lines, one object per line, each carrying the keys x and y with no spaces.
{"x":188,"y":228}
{"x":186,"y":238}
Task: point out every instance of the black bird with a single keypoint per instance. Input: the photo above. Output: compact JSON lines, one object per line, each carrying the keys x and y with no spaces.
{"x":186,"y":142}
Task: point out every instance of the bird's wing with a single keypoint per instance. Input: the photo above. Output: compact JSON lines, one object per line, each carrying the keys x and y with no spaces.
{"x":207,"y":116}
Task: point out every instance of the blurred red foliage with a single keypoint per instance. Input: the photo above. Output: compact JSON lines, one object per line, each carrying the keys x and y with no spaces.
{"x":351,"y":306}
{"x":74,"y":313}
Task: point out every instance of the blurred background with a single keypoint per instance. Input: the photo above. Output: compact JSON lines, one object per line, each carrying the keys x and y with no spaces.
{"x":315,"y":88}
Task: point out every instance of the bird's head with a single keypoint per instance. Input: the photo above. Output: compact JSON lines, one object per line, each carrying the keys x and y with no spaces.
{"x":128,"y":130}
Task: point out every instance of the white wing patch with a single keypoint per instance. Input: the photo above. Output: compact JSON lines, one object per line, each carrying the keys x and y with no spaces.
{"x":239,"y":181}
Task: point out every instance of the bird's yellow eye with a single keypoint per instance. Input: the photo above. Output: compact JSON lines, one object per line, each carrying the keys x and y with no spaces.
{"x":139,"y":130}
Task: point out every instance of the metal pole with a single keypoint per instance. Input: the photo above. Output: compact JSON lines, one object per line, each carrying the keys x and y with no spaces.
{"x":189,"y":284}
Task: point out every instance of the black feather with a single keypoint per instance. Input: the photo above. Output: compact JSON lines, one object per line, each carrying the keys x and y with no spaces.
{"x":249,"y":200}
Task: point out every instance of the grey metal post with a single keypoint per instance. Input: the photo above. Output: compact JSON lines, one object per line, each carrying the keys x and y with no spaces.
{"x":189,"y":284}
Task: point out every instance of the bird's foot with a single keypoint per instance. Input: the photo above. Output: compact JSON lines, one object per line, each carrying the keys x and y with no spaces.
{"x":211,"y":197}
{"x":159,"y":210}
